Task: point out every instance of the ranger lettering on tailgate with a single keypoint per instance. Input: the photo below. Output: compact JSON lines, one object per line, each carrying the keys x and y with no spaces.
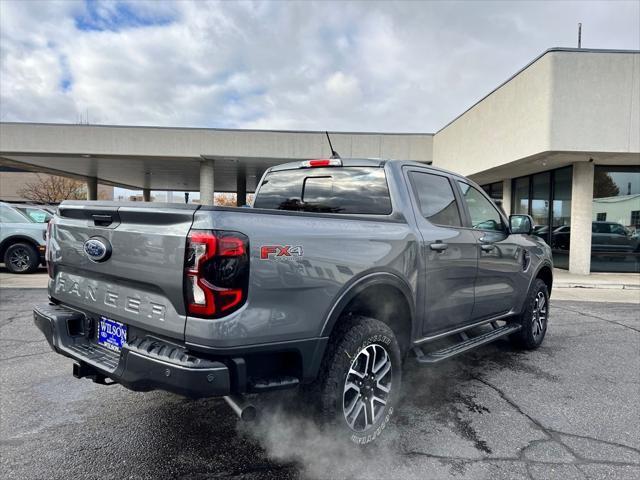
{"x":81,"y":288}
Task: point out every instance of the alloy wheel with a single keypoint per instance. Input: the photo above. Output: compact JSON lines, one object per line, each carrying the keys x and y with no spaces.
{"x":539,"y":315}
{"x":367,"y":387}
{"x":19,"y":259}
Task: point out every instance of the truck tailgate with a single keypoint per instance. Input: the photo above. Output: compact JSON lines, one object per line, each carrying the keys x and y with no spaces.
{"x":141,"y":282}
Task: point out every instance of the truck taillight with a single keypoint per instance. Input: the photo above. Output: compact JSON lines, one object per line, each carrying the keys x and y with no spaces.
{"x":216,"y":272}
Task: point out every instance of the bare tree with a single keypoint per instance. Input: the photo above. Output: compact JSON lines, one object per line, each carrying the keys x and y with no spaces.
{"x":229,"y":199}
{"x":53,"y":189}
{"x":224,"y":199}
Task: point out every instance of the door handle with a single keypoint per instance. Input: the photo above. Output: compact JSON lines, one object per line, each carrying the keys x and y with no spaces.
{"x":487,"y":247}
{"x":438,"y":246}
{"x":102,"y":220}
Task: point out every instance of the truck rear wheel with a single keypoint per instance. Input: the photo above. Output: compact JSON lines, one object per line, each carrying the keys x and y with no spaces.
{"x":534,"y":318}
{"x":359,"y":383}
{"x":21,"y":258}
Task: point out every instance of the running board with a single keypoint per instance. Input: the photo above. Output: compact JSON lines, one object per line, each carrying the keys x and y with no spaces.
{"x":466,"y":345}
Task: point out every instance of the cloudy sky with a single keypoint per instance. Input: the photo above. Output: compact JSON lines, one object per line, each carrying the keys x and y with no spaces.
{"x":352,"y":66}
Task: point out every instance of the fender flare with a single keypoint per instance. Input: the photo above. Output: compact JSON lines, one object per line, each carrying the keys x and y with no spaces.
{"x":7,"y":242}
{"x":542,"y":265}
{"x":357,"y":285}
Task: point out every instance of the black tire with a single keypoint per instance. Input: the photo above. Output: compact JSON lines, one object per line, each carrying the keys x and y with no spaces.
{"x":21,"y":258}
{"x":534,"y":320}
{"x":355,"y":340}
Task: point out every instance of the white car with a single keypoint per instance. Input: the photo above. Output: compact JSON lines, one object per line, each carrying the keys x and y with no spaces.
{"x":22,"y":241}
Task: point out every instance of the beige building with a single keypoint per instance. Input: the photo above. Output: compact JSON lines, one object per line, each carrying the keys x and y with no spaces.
{"x":556,"y":137}
{"x":14,"y":180}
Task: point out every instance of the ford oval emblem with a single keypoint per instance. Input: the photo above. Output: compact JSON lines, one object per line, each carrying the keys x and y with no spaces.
{"x":97,"y":249}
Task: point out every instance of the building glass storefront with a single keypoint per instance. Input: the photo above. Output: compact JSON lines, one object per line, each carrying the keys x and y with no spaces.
{"x":546,"y":196}
{"x":615,"y":231}
{"x":494,"y":190}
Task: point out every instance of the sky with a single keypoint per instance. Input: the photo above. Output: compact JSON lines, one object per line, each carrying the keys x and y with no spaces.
{"x":338,"y":66}
{"x":351,"y":66}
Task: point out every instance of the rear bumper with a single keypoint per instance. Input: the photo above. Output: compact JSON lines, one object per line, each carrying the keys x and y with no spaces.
{"x":143,"y":364}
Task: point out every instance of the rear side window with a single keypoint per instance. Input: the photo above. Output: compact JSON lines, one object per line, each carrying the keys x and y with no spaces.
{"x":349,"y":190}
{"x":436,"y":199}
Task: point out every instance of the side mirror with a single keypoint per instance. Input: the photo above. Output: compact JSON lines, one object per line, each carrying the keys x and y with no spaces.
{"x":522,"y":224}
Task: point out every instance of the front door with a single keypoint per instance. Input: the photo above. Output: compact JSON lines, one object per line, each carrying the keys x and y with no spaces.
{"x":449,"y":252}
{"x":500,"y":258}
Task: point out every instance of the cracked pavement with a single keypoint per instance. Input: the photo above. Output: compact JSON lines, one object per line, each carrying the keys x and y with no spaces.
{"x":568,"y":410}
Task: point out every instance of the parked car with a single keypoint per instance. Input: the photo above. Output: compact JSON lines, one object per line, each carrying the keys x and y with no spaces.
{"x":605,"y":237}
{"x":341,"y":270}
{"x":36,"y":213}
{"x":22,"y":241}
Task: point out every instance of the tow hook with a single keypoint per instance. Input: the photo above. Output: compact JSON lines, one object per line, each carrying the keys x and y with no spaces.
{"x":241,"y":407}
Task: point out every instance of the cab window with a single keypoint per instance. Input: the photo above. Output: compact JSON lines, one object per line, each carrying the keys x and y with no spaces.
{"x":484,"y":216}
{"x":8,"y":215}
{"x":435,"y":198}
{"x":347,"y":190}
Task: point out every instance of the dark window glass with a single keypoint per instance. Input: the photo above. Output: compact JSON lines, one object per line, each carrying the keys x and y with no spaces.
{"x":615,"y":237}
{"x":561,"y":214}
{"x":494,"y":190}
{"x":635,"y":218}
{"x":355,"y":190}
{"x":435,"y":198}
{"x":521,"y":196}
{"x":546,"y":196}
{"x":484,"y":216}
{"x":541,"y":188}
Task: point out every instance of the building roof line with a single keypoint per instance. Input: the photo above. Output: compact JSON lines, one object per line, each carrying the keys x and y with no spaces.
{"x":549,"y":50}
{"x":617,"y":198}
{"x":215,"y":129}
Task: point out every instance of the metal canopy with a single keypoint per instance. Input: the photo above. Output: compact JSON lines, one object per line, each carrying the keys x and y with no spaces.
{"x":162,"y":158}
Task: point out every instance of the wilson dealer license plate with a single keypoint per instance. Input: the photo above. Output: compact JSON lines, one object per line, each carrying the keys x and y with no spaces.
{"x":111,"y":334}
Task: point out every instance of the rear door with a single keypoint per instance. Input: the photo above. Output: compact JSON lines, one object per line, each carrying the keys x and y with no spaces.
{"x":499,"y":255}
{"x":449,"y":252}
{"x":140,"y":282}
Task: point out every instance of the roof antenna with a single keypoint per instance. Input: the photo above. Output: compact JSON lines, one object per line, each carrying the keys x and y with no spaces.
{"x":580,"y":35}
{"x":334,"y":154}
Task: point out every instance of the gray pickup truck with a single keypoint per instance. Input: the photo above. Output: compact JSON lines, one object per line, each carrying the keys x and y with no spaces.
{"x":342,"y":270}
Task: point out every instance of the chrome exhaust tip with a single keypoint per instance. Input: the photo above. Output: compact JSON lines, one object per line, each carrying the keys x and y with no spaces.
{"x":243,"y":409}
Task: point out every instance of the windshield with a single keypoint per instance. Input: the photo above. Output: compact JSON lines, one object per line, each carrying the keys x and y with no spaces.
{"x":349,"y":190}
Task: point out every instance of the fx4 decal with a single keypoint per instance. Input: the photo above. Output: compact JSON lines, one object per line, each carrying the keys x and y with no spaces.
{"x":280,"y":251}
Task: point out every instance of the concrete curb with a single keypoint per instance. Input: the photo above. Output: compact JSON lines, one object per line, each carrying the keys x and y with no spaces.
{"x":612,"y":286}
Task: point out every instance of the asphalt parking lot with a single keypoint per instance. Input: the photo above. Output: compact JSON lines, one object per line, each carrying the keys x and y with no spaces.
{"x":568,"y":410}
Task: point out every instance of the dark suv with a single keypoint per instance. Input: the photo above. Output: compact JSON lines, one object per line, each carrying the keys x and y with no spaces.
{"x":605,"y":237}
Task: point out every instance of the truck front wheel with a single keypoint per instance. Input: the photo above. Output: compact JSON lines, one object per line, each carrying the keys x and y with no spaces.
{"x":534,"y":318}
{"x":359,"y":383}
